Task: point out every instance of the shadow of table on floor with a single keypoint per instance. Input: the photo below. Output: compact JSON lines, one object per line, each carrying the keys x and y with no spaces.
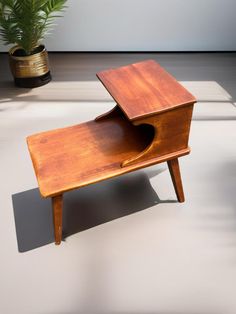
{"x":84,"y":208}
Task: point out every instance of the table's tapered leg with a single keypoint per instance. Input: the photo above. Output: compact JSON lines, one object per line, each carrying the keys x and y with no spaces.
{"x":57,"y":204}
{"x":176,"y":178}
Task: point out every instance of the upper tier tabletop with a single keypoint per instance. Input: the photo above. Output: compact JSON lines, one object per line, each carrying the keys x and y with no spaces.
{"x":144,"y":89}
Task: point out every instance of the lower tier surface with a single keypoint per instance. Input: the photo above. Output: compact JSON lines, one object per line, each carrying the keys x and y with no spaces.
{"x":72,"y":157}
{"x":75,"y":156}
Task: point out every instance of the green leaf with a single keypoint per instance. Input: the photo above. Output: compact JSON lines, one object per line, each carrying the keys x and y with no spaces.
{"x":26,"y":22}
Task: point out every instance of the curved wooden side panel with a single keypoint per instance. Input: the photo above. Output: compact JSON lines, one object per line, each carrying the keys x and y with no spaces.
{"x":171,"y":131}
{"x":110,"y":114}
{"x":142,"y":155}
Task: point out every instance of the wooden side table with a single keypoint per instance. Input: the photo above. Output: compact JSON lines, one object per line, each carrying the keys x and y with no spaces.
{"x":150,"y":124}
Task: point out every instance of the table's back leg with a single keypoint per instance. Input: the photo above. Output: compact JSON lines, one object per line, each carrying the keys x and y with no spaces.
{"x":57,"y":204}
{"x":176,"y":178}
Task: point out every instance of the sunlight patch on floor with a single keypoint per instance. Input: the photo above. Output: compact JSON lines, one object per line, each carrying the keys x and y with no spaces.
{"x":207,"y":90}
{"x":58,"y":99}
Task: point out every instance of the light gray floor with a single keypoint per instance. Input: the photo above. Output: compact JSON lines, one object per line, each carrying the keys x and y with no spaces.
{"x":130,"y":247}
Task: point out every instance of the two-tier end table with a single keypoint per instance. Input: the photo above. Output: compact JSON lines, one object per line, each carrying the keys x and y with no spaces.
{"x":150,"y":124}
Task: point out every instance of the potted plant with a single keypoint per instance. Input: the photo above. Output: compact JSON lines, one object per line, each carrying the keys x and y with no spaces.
{"x":25,"y":23}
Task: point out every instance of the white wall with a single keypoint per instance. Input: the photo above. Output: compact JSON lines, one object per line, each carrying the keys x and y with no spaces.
{"x":140,"y":25}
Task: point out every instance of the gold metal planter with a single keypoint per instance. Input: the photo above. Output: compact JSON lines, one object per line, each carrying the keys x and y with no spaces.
{"x":30,"y":71}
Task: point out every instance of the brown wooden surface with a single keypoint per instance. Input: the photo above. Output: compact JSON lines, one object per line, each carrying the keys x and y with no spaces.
{"x":149,"y":125}
{"x":171,"y":133}
{"x":72,"y":157}
{"x":143,"y":89}
{"x":69,"y":158}
{"x":57,"y":204}
{"x":176,"y":178}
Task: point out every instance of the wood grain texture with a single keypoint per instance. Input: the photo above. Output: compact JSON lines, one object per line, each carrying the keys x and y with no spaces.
{"x":69,"y":158}
{"x":144,"y":89}
{"x":171,"y":133}
{"x":76,"y":156}
{"x":176,"y":179}
{"x":150,"y":124}
{"x":57,"y":204}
